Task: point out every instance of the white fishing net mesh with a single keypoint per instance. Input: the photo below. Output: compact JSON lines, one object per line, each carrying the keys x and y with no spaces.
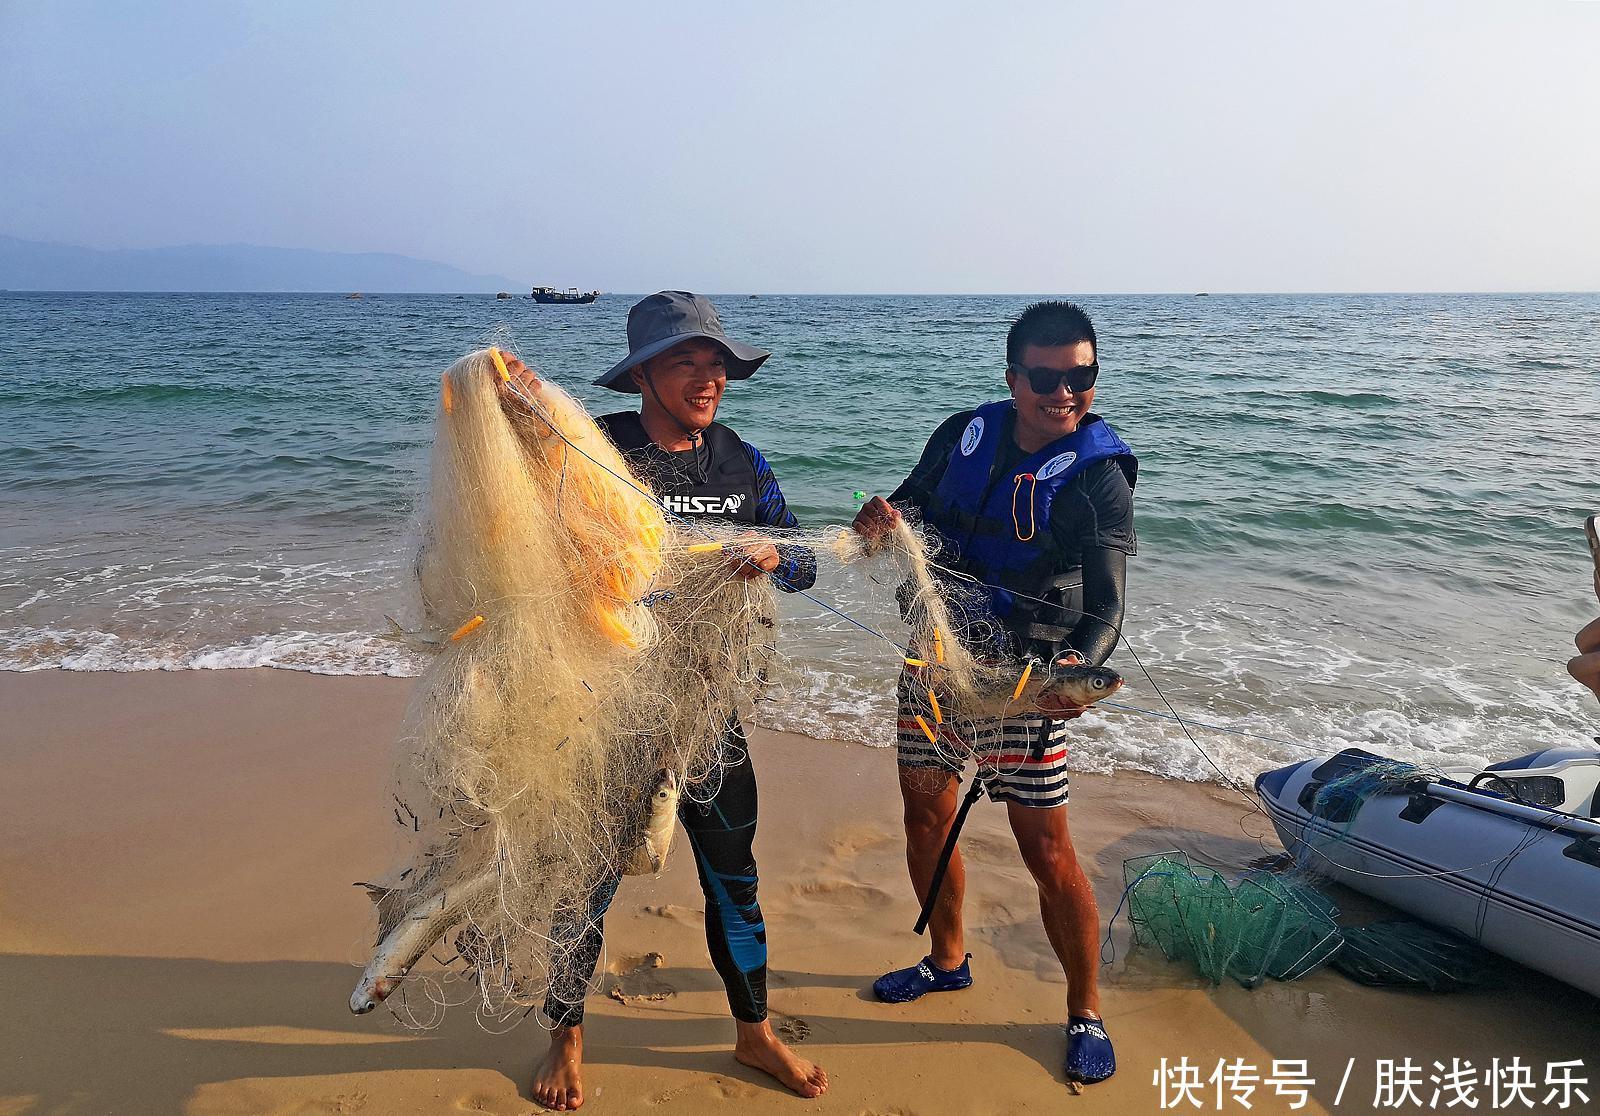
{"x":585,"y":647}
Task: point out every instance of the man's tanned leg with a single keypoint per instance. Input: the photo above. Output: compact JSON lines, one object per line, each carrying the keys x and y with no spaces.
{"x":1071,"y":916}
{"x":931,"y":802}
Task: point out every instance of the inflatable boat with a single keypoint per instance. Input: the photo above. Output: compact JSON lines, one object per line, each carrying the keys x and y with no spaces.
{"x":1508,"y":856}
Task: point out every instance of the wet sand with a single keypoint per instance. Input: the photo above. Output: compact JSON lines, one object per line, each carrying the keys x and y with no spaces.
{"x":179,"y":933}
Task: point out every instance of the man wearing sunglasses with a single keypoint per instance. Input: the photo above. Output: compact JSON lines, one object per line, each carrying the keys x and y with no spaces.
{"x":1031,"y":499}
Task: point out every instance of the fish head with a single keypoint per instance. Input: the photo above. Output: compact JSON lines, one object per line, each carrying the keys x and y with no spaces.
{"x":1075,"y":685}
{"x":370,"y":992}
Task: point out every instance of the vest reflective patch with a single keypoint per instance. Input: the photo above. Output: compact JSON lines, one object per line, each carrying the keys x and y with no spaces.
{"x":1057,"y":464}
{"x":972,"y":436}
{"x":704,"y":505}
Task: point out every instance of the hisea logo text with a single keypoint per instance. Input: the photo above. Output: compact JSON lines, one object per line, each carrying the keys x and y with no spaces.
{"x":704,"y":505}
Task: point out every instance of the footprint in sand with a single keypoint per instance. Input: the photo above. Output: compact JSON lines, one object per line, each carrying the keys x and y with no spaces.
{"x":714,"y":1088}
{"x":995,"y":914}
{"x":790,"y":1028}
{"x":1021,"y":945}
{"x":846,"y":893}
{"x":986,"y":849}
{"x":848,"y":840}
{"x":634,"y":980}
{"x":675,"y":911}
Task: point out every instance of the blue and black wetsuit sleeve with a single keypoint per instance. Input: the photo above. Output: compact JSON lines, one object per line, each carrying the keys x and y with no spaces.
{"x":1095,"y":524}
{"x":797,"y":565}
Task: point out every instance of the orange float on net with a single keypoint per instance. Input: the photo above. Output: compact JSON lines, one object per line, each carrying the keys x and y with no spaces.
{"x":1023,"y":681}
{"x":466,"y":629}
{"x":926,"y":731}
{"x":446,"y":400}
{"x":933,"y":700}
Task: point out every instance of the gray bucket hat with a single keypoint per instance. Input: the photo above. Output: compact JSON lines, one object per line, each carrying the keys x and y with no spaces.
{"x":665,"y":319}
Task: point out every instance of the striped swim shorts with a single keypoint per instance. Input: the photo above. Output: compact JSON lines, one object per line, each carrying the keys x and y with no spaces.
{"x":1019,"y":759}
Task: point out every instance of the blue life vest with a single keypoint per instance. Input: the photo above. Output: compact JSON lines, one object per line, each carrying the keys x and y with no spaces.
{"x":996,"y":527}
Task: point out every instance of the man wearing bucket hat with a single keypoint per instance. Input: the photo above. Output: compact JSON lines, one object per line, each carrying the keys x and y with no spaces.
{"x":679,"y":361}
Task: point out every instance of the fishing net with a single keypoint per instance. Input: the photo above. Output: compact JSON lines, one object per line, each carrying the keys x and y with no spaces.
{"x":1279,"y":926}
{"x":961,"y":673}
{"x":1257,"y":927}
{"x":1336,"y":804}
{"x":1406,"y":954}
{"x":1340,"y":799}
{"x":585,"y":653}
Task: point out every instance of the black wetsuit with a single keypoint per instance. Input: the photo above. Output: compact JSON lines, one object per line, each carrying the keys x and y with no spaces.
{"x":727,"y":479}
{"x":1091,"y":527}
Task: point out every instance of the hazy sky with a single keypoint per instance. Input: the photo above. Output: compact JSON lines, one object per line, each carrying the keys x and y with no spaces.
{"x":821,"y":146}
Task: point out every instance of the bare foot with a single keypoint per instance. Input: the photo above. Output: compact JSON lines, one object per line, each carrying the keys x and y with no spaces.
{"x":758,"y":1048}
{"x":557,"y":1083}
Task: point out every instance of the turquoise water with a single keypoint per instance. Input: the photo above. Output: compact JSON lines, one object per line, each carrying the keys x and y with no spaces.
{"x":1359,"y":516}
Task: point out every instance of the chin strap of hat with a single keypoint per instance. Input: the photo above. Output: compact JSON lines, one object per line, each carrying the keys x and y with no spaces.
{"x":696,"y":443}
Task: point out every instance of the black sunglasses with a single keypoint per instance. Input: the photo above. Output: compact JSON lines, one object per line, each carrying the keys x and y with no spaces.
{"x":1044,"y":381}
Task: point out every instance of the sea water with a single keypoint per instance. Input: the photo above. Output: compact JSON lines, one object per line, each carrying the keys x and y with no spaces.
{"x":1359,"y":516}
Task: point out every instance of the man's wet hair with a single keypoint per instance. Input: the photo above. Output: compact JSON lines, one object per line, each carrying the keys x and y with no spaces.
{"x":1049,"y":324}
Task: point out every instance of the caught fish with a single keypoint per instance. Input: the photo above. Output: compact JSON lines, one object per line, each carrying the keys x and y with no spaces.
{"x":1055,"y":689}
{"x":421,"y":640}
{"x":650,"y":855}
{"x":424,"y":922}
{"x":1071,"y":686}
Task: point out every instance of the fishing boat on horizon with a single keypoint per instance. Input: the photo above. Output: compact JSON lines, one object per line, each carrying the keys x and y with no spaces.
{"x":548,"y":296}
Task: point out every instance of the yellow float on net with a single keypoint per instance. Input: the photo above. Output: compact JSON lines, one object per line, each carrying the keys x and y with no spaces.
{"x":916,"y":662}
{"x":926,"y":731}
{"x":1023,"y":681}
{"x":933,"y":700}
{"x":500,"y":365}
{"x":446,"y":400}
{"x":466,"y":629}
{"x":702,"y":548}
{"x":612,"y":627}
{"x":938,"y":646}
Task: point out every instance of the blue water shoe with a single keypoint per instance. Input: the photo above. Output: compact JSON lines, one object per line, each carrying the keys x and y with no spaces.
{"x":904,"y":985}
{"x":1089,"y":1054}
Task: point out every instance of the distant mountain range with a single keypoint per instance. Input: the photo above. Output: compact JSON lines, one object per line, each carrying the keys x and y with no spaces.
{"x":31,"y":265}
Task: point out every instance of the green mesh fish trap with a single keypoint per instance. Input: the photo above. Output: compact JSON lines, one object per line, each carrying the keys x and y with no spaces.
{"x":1258,"y":927}
{"x":1153,"y":885}
{"x":1263,"y":918}
{"x":1310,"y":936}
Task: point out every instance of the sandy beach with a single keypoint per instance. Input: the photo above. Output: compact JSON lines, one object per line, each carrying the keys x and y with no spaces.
{"x":179,"y":933}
